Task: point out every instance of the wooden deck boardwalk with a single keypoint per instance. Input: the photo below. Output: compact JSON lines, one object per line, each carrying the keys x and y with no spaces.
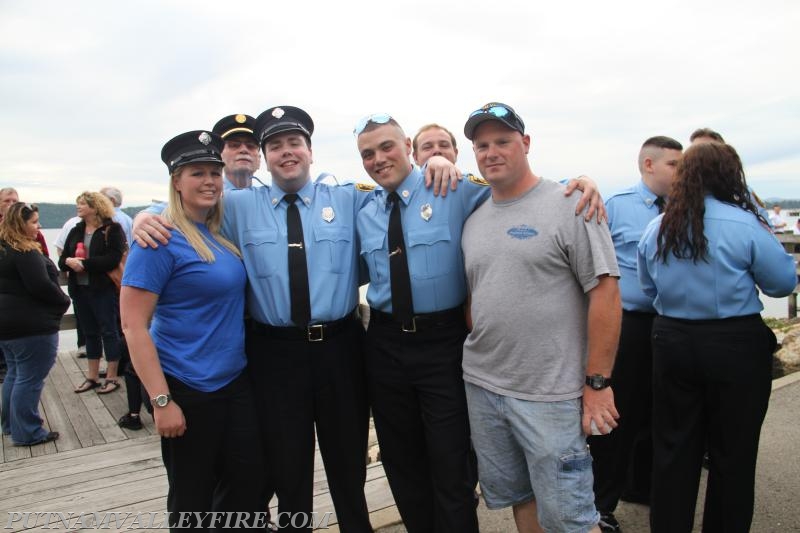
{"x":95,"y":466}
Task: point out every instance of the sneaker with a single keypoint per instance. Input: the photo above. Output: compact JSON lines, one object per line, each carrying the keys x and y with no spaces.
{"x":129,"y":421}
{"x":81,"y":351}
{"x":609,"y":523}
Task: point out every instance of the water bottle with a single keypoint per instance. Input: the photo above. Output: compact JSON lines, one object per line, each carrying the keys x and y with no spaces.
{"x":80,"y":251}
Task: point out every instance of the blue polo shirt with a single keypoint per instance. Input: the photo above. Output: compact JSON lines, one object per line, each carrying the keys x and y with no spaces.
{"x":198,"y":325}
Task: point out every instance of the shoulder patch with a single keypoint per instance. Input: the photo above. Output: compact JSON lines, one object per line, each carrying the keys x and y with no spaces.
{"x":477,"y":180}
{"x":365,"y":187}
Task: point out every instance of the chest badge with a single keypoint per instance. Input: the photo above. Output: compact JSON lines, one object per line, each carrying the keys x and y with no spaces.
{"x":426,"y":212}
{"x":327,"y":214}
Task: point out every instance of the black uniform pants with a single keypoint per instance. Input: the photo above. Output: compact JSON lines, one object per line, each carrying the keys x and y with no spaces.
{"x":419,"y":406}
{"x":711,"y":379}
{"x":301,"y":385}
{"x":626,"y":453}
{"x":210,"y":467}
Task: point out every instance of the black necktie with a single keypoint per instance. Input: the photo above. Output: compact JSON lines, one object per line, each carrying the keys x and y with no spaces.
{"x":659,"y":201}
{"x":402,"y":305}
{"x":298,"y":270}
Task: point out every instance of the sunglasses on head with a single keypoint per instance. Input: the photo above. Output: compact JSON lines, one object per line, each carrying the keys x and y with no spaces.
{"x":500,"y":111}
{"x":377,"y":118}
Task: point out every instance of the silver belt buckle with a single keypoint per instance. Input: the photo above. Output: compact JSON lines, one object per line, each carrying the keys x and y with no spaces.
{"x":413,"y":328}
{"x":316,"y":333}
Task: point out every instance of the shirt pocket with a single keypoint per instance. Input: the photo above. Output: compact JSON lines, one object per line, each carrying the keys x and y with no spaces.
{"x":333,"y":248}
{"x":374,"y":253}
{"x":430,"y":255}
{"x":262,"y":252}
{"x":626,"y":244}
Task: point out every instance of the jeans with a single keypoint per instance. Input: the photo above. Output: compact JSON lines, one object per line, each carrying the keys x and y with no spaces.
{"x":533,"y":450}
{"x":98,"y":314}
{"x":29,"y":360}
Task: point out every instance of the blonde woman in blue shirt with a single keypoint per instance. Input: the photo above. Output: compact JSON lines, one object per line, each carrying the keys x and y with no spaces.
{"x":183,"y":316}
{"x":704,"y":261}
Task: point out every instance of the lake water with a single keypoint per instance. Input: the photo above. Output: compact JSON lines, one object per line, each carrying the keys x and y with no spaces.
{"x":773,"y":307}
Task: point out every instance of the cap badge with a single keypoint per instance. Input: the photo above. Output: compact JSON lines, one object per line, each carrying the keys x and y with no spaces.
{"x":204,"y":138}
{"x":327,"y":214}
{"x":241,"y":119}
{"x":426,"y":212}
{"x":278,"y":112}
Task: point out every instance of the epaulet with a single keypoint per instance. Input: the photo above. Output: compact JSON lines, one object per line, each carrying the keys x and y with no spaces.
{"x":477,"y":180}
{"x":364,"y":187}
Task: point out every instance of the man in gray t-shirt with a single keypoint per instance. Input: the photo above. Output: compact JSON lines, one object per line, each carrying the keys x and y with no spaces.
{"x":545,"y":310}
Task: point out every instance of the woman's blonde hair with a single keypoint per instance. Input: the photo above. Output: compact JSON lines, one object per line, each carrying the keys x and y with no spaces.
{"x":178,"y":217}
{"x":13,"y":231}
{"x":100,"y":203}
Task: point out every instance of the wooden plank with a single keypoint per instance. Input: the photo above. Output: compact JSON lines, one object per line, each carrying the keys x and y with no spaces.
{"x":34,"y":469}
{"x":56,"y":414}
{"x":85,"y":429}
{"x":94,"y":405}
{"x":12,"y":452}
{"x":91,"y":479}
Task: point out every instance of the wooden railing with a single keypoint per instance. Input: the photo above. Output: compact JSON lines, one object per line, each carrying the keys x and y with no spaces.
{"x":791,"y":244}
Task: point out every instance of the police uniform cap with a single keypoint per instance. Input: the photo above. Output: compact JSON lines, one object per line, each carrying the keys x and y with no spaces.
{"x":281,"y":119}
{"x":494,"y":111}
{"x":239,"y":124}
{"x":197,"y":146}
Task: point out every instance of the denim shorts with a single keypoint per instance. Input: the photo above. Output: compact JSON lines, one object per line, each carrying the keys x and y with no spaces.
{"x":533,"y":450}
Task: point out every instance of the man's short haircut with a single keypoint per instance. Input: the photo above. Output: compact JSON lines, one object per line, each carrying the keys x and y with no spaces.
{"x":706,"y":132}
{"x":432,"y":126}
{"x":659,"y":142}
{"x":113,"y":194}
{"x":8,"y":190}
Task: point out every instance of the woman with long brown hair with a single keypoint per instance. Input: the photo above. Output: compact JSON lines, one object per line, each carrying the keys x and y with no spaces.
{"x":93,"y":293}
{"x":31,"y":306}
{"x":704,"y":261}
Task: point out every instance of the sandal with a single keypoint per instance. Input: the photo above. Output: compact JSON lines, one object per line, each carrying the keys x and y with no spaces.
{"x":87,"y":385}
{"x":110,"y":385}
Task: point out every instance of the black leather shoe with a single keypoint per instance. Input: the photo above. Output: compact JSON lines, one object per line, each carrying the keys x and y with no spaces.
{"x":609,"y":523}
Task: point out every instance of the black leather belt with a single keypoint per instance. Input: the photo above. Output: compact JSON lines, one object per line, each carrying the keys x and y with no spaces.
{"x":419,"y":322}
{"x":311,"y":333}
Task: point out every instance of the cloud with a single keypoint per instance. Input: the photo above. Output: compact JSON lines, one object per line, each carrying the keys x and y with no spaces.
{"x":91,"y":91}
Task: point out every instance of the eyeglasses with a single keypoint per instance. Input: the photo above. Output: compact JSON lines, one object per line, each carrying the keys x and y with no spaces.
{"x":30,"y":208}
{"x":377,"y":118}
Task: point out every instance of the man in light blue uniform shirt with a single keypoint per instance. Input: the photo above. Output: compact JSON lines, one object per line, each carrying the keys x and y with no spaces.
{"x":414,"y":364}
{"x":626,"y":453}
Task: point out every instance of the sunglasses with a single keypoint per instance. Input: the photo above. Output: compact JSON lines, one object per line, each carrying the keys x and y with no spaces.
{"x":30,"y":208}
{"x":499,"y":111}
{"x":377,"y":118}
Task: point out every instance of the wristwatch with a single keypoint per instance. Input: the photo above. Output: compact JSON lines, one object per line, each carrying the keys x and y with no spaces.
{"x":161,"y":400}
{"x":598,"y":381}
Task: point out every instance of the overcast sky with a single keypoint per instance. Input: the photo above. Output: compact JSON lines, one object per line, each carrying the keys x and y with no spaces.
{"x":91,"y":90}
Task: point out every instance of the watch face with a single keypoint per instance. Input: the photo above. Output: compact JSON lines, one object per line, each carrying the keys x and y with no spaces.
{"x":161,"y":400}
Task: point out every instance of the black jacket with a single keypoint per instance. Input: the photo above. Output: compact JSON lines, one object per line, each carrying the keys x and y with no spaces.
{"x":31,"y":301}
{"x":105,"y":252}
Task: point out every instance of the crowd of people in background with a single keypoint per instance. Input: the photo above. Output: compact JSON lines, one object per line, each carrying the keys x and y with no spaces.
{"x":522,"y":335}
